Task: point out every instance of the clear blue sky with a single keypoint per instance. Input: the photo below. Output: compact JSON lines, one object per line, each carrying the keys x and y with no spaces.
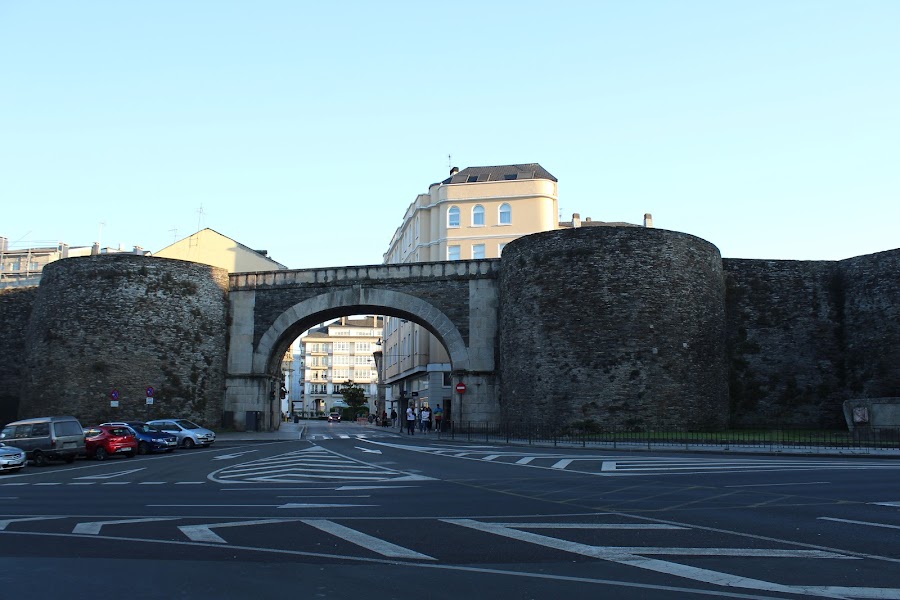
{"x":769,"y":128}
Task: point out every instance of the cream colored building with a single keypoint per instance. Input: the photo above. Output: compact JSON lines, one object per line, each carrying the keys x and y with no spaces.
{"x":331,"y":355}
{"x":210,"y":247}
{"x":472,"y":214}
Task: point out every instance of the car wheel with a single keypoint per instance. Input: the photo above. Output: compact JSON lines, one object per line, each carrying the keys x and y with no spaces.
{"x":131,"y":454}
{"x":143,"y":448}
{"x":101,"y":453}
{"x":39,"y":459}
{"x":188,"y":443}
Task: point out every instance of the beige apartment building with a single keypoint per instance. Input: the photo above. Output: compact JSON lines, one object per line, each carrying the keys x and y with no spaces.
{"x":472,"y":214}
{"x":330,"y":355}
{"x":210,"y":247}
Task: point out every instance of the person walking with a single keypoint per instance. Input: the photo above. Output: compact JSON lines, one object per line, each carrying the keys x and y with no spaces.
{"x":438,"y":417}
{"x":410,"y":421}
{"x":425,"y":416}
{"x":393,"y":418}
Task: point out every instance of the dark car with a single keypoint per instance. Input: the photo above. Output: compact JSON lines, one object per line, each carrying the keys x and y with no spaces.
{"x":150,"y":438}
{"x":107,"y":440}
{"x":334,"y":418}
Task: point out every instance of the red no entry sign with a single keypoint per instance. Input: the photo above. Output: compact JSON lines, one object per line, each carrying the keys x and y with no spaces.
{"x":461,"y":387}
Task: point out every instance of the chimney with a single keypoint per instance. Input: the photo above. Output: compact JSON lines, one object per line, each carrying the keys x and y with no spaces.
{"x":454,"y":171}
{"x":63,"y":250}
{"x":95,"y":249}
{"x":587,"y":219}
{"x":4,"y":244}
{"x":648,"y":220}
{"x":138,"y":250}
{"x":576,"y":221}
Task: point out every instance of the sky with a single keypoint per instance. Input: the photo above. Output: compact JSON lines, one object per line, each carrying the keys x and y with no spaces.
{"x":770,"y":128}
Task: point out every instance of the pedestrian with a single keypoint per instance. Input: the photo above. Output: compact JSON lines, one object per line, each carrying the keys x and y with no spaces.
{"x":410,"y":421}
{"x":370,"y":418}
{"x":426,"y":419}
{"x":393,"y":418}
{"x":438,"y":417}
{"x":384,"y":421}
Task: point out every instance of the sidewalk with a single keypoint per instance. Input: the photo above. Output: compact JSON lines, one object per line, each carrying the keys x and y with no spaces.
{"x":287,"y":432}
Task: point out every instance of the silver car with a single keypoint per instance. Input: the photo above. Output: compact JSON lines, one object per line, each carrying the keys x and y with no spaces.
{"x":189,"y":434}
{"x":11,"y":458}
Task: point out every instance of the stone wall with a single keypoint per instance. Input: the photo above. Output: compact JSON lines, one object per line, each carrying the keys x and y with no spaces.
{"x":619,"y":326}
{"x":804,"y":336}
{"x":15,"y":310}
{"x":125,"y":322}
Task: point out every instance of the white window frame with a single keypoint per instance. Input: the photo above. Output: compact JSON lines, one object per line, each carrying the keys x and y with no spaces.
{"x":507,"y":213}
{"x":477,"y":214}
{"x":453,"y":212}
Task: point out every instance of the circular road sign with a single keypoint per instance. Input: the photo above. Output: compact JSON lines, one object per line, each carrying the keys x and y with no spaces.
{"x":461,"y":387}
{"x":150,"y":391}
{"x":114,"y":394}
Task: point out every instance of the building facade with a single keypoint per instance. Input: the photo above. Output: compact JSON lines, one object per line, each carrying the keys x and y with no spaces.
{"x":329,"y":356}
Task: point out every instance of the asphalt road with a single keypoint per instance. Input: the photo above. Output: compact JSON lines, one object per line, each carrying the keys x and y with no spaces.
{"x":350,"y":511}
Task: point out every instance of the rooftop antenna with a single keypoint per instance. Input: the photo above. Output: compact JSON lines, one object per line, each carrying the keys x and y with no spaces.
{"x":174,"y":235}
{"x":199,"y":216}
{"x":449,"y":161}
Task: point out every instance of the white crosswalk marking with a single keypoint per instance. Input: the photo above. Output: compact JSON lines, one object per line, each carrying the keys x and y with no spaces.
{"x":375,"y":544}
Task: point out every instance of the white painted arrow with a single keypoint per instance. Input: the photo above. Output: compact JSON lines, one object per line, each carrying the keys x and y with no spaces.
{"x":368,"y":450}
{"x":205,"y":533}
{"x":233,"y":455}
{"x":111,"y":475}
{"x":93,"y":527}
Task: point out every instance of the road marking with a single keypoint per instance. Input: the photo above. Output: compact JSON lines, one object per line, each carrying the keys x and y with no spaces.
{"x":302,"y":505}
{"x":115,"y":483}
{"x":205,"y":533}
{"x":562,"y":464}
{"x":852,"y":522}
{"x":491,"y":457}
{"x":897,"y":503}
{"x":634,"y":557}
{"x":368,"y":450}
{"x":778,"y":484}
{"x":525,"y":460}
{"x":111,"y":475}
{"x":6,"y":522}
{"x":51,"y":483}
{"x":364,"y":540}
{"x":608,"y":465}
{"x":590,"y":526}
{"x":232,"y":455}
{"x":151,"y":483}
{"x":93,"y":527}
{"x":189,"y":482}
{"x":372,"y":487}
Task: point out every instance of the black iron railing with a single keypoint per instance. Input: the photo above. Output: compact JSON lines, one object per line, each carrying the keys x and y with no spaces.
{"x":555,"y":435}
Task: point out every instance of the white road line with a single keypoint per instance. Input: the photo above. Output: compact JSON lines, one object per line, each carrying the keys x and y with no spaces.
{"x":189,"y":482}
{"x":897,"y":503}
{"x":525,"y":460}
{"x":6,"y":522}
{"x":52,"y":483}
{"x":608,"y":465}
{"x":205,"y":533}
{"x":111,"y":475}
{"x":634,"y":557}
{"x":93,"y":527}
{"x":852,"y":522}
{"x":779,"y":484}
{"x":589,"y":526}
{"x":151,"y":483}
{"x":491,"y":457}
{"x":364,"y":540}
{"x":562,"y":464}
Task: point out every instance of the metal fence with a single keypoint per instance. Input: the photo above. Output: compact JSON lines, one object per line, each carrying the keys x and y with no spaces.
{"x":553,"y":435}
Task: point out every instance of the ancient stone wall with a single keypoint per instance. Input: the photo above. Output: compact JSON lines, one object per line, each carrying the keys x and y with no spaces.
{"x":15,"y":310}
{"x":785,"y":346}
{"x":619,"y":326}
{"x":125,"y":322}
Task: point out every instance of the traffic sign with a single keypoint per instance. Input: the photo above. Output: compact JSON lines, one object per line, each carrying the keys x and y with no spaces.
{"x":114,"y":394}
{"x":461,"y":387}
{"x":150,"y":391}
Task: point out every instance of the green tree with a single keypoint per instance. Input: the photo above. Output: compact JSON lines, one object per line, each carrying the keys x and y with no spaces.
{"x":353,"y":395}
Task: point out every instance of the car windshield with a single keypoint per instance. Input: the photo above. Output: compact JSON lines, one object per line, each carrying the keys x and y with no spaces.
{"x":187,"y":424}
{"x":142,"y":427}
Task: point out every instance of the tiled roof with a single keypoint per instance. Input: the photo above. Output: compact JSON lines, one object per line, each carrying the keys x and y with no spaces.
{"x":500,"y":173}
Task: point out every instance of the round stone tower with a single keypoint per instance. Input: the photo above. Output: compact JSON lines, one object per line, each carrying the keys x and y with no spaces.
{"x":614,"y":327}
{"x":104,"y":329}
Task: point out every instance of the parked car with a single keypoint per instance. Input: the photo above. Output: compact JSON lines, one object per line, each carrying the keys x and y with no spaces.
{"x":46,"y":438}
{"x":11,"y":458}
{"x":189,"y":434}
{"x":150,"y":438}
{"x":103,"y":441}
{"x":334,"y":418}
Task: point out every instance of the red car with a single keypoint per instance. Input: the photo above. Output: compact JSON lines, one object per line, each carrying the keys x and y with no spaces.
{"x":105,"y":440}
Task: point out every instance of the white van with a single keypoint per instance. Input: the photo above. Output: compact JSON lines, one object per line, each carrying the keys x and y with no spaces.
{"x":46,"y":438}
